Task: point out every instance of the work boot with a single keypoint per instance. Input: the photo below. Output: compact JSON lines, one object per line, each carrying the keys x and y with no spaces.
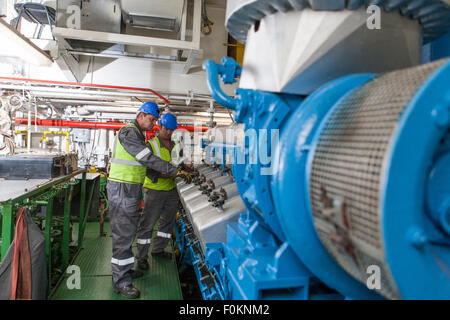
{"x":143,"y":264}
{"x":130,"y":291}
{"x":136,"y":274}
{"x":162,"y":254}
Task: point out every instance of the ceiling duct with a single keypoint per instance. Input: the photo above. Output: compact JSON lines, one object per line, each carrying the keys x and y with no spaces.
{"x":96,"y":28}
{"x":153,"y":14}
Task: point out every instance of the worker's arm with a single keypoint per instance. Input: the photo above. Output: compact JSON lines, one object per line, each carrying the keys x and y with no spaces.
{"x":133,"y":143}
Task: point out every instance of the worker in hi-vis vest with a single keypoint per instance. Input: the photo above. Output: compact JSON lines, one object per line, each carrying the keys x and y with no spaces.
{"x":160,"y":200}
{"x":130,"y":160}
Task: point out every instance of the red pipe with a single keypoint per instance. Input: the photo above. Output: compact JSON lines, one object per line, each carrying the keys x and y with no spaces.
{"x":74,"y":124}
{"x":87,"y":85}
{"x":94,"y":125}
{"x":193,"y":128}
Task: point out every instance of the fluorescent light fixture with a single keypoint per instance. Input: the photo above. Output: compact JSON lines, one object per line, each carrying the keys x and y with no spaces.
{"x":14,"y":44}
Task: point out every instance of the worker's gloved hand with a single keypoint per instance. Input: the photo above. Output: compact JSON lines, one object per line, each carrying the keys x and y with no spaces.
{"x":185,"y":175}
{"x":186,"y":167}
{"x":152,"y":175}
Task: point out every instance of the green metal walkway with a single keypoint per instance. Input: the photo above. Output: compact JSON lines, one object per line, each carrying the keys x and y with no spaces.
{"x":160,"y":282}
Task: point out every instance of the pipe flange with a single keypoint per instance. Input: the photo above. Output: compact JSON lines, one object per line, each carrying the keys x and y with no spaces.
{"x":434,"y":15}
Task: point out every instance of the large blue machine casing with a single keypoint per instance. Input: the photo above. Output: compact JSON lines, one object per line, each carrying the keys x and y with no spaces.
{"x":412,"y":239}
{"x":276,"y":240}
{"x":263,"y":110}
{"x":289,"y":186}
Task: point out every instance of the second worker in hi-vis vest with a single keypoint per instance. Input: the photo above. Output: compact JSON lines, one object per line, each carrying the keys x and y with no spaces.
{"x":132,"y":159}
{"x":160,"y":200}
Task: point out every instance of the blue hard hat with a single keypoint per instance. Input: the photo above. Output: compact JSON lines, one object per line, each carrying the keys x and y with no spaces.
{"x":150,"y":108}
{"x":169,"y":121}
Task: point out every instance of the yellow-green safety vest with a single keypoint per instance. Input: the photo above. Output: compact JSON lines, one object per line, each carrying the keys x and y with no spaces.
{"x":124,"y":167}
{"x":165,"y":184}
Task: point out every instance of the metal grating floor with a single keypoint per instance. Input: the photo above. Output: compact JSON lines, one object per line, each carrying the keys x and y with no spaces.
{"x":160,"y":282}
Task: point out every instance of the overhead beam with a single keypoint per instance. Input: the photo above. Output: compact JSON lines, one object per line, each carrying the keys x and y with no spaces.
{"x":132,"y":40}
{"x":13,"y":43}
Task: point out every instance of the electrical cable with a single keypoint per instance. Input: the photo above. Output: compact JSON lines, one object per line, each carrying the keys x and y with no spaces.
{"x":206,"y":23}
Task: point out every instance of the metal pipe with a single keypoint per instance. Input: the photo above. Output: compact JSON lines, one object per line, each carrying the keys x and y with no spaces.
{"x":108,"y":109}
{"x":93,"y":125}
{"x":186,"y":115}
{"x":192,"y":98}
{"x":109,"y":117}
{"x":35,"y":113}
{"x":29,"y":132}
{"x":105,"y":95}
{"x":90,"y":109}
{"x":38,"y":91}
{"x":100,"y":103}
{"x":84,"y":95}
{"x":213,"y":70}
{"x":174,"y":105}
{"x":86,"y":85}
{"x":130,"y":117}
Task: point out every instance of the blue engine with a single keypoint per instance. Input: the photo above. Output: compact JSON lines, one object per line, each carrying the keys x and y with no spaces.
{"x":342,"y":192}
